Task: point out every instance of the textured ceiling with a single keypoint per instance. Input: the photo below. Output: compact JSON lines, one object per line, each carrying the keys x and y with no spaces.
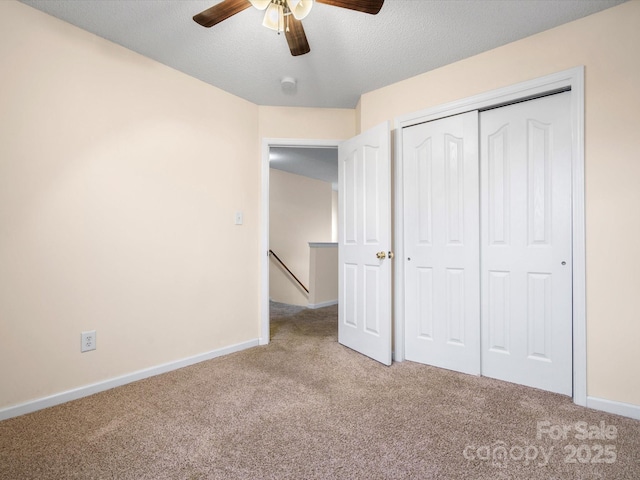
{"x":351,"y":53}
{"x":318,"y":163}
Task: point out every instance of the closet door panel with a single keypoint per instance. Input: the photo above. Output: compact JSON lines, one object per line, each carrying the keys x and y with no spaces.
{"x":525,"y":164}
{"x":442,"y":289}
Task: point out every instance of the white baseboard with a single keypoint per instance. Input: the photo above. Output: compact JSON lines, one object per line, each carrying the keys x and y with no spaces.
{"x":87,"y":390}
{"x":323,"y":304}
{"x":610,"y":406}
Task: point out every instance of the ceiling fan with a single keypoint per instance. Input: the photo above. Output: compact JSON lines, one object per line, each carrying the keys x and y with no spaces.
{"x":282,"y":16}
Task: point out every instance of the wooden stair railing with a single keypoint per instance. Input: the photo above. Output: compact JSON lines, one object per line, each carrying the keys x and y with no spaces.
{"x":271,"y":252}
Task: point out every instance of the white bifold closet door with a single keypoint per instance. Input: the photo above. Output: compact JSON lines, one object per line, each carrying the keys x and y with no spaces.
{"x":442,"y":271}
{"x":525,"y":164}
{"x":487,"y":215}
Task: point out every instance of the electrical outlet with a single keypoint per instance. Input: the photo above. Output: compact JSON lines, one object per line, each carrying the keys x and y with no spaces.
{"x":88,"y":341}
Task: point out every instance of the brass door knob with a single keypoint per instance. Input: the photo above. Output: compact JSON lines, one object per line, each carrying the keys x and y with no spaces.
{"x":381,"y":255}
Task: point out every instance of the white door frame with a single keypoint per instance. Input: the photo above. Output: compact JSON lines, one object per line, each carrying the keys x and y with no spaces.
{"x":572,"y":79}
{"x":267,"y":143}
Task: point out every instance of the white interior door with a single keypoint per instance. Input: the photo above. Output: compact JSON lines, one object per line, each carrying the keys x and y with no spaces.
{"x":526,"y":243}
{"x":364,"y":198}
{"x":442,"y":276}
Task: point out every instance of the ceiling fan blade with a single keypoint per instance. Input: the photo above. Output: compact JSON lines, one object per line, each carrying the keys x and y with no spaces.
{"x":220,"y":12}
{"x":366,"y":6}
{"x":296,"y":38}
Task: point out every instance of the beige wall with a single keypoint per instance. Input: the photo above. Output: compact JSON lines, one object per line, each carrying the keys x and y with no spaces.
{"x":307,"y":123}
{"x":606,"y":43}
{"x":323,"y":275}
{"x":119,"y":179}
{"x":299,"y":213}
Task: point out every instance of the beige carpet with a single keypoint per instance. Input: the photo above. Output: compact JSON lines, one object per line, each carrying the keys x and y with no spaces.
{"x":305,"y":407}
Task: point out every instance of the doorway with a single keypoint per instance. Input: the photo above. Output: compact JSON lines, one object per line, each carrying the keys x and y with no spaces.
{"x":279,"y":145}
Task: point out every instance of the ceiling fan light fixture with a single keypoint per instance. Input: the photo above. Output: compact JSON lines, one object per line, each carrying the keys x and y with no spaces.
{"x":300,"y":8}
{"x":260,"y":4}
{"x":274,"y":17}
{"x":282,"y":16}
